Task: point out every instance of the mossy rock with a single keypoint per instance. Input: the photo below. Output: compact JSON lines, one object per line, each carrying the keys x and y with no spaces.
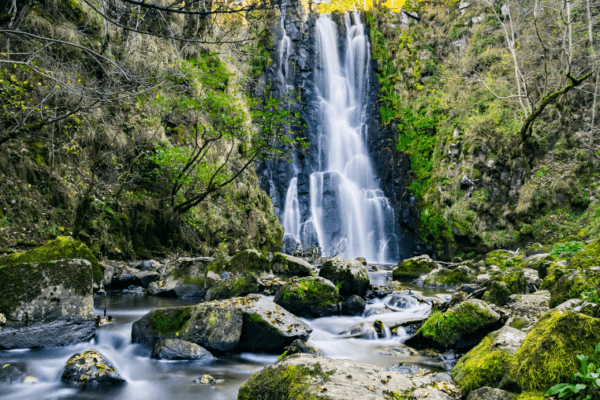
{"x":170,"y":320}
{"x":488,"y":363}
{"x":548,"y":354}
{"x":349,"y":274}
{"x":554,"y":273}
{"x":310,"y":297}
{"x":588,"y":257}
{"x":245,"y":261}
{"x":460,"y":327}
{"x":530,"y":396}
{"x":413,"y":268}
{"x":233,"y":287}
{"x":282,"y":382}
{"x":502,"y":286}
{"x":290,"y":265}
{"x":503,"y":259}
{"x":450,"y":277}
{"x":572,"y":285}
{"x":61,"y":248}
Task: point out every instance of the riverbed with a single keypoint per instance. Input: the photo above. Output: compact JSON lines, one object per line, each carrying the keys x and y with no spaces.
{"x":150,"y":379}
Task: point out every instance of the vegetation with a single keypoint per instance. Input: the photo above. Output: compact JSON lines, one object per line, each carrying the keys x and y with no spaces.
{"x":585,"y":383}
{"x":170,"y":320}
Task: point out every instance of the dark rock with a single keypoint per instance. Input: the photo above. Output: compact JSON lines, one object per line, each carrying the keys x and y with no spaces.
{"x":90,"y":369}
{"x":252,"y":323}
{"x":135,"y":291}
{"x":353,"y":305}
{"x":310,"y":297}
{"x":148,"y":265}
{"x":350,"y":273}
{"x":234,"y":287}
{"x":286,"y":264}
{"x":300,"y":346}
{"x":46,"y":304}
{"x":173,"y":349}
{"x":468,"y":289}
{"x":12,"y":372}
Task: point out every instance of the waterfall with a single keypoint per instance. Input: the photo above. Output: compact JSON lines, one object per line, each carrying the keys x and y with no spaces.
{"x":349,"y":214}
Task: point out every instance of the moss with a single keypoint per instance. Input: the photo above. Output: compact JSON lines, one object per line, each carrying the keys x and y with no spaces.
{"x":235,"y":287}
{"x":588,"y":257}
{"x":245,"y":261}
{"x":413,"y":268}
{"x":554,"y":273}
{"x":519,"y":323}
{"x":446,"y":328}
{"x":501,"y":287}
{"x":530,"y":396}
{"x":62,"y":248}
{"x":450,"y":277}
{"x":498,"y":293}
{"x":482,"y":366}
{"x":572,"y":285}
{"x":284,"y":382}
{"x":170,"y":320}
{"x":311,"y":291}
{"x":548,"y":354}
{"x":502,"y":259}
{"x":24,"y":282}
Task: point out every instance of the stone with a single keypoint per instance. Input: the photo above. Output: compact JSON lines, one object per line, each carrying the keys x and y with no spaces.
{"x":174,"y":349}
{"x":300,"y":346}
{"x":305,"y":375}
{"x":248,"y":261}
{"x":488,"y":393}
{"x":30,"y":380}
{"x":46,"y":304}
{"x":462,"y":326}
{"x":251,"y":323}
{"x":310,"y":297}
{"x":350,"y":273}
{"x":206,"y":380}
{"x":148,"y":265}
{"x":527,"y":307}
{"x":211,"y":280}
{"x":225,"y":275}
{"x":90,"y":369}
{"x":362,"y":260}
{"x":413,"y":268}
{"x":286,"y":264}
{"x":402,"y":300}
{"x":135,"y":291}
{"x":238,"y":286}
{"x":429,"y":394}
{"x":353,"y":305}
{"x":12,"y":372}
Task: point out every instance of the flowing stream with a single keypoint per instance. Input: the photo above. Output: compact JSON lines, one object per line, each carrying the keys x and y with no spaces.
{"x":349,"y":213}
{"x":150,"y":379}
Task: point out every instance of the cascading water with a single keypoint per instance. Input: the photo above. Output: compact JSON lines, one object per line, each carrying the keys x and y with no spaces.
{"x":349,"y":214}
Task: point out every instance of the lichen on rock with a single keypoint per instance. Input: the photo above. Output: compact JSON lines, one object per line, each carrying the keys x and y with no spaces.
{"x":309,"y":297}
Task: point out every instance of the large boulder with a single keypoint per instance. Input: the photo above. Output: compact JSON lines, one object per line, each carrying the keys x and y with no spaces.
{"x":238,"y":286}
{"x":123,"y":280}
{"x":353,"y":305}
{"x":413,"y":268}
{"x":300,"y":346}
{"x":549,"y":353}
{"x":174,"y":349}
{"x":252,"y":323}
{"x":502,"y":285}
{"x":61,"y":248}
{"x":90,"y":369}
{"x":586,"y":258}
{"x":244,"y":262}
{"x":290,"y":265}
{"x":304,"y":376}
{"x":488,"y":393}
{"x":310,"y":297}
{"x":489,"y":363}
{"x":462,"y":326}
{"x":351,"y":274}
{"x":573,"y":284}
{"x":525,"y":309}
{"x":46,"y":304}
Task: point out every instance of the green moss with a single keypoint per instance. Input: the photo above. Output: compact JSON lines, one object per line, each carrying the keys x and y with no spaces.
{"x":502,"y":286}
{"x":450,"y":277}
{"x":572,"y":285}
{"x":311,"y":291}
{"x":24,"y":282}
{"x":530,"y":396}
{"x":234,"y":287}
{"x":554,"y":273}
{"x":498,"y":293}
{"x":548,"y":354}
{"x":519,"y":323}
{"x":284,"y":383}
{"x":588,"y":257}
{"x":245,"y":261}
{"x":170,"y":320}
{"x":482,"y":366}
{"x":446,"y":328}
{"x":502,"y":259}
{"x":413,"y":268}
{"x":61,"y":248}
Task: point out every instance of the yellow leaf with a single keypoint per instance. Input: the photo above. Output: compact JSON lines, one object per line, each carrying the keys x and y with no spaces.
{"x":158,"y":96}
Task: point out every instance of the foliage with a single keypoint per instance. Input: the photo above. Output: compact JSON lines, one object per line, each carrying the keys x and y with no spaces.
{"x":585,"y":384}
{"x":570,"y":248}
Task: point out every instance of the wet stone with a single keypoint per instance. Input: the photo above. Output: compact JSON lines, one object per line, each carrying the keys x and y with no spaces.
{"x":90,"y":369}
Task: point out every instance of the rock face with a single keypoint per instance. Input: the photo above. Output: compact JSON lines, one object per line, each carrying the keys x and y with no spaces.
{"x":173,"y":349}
{"x":488,"y":393}
{"x":46,"y":304}
{"x":462,"y":326}
{"x":248,"y":261}
{"x":310,"y":297}
{"x":353,"y":305}
{"x":89,"y":370}
{"x":302,"y":376}
{"x":252,"y":323}
{"x":527,"y":308}
{"x":489,"y":363}
{"x":234,"y":287}
{"x":413,"y":268}
{"x":286,"y":264}
{"x":349,"y":272}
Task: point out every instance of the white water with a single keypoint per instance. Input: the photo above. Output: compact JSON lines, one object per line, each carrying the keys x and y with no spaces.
{"x":349,"y":213}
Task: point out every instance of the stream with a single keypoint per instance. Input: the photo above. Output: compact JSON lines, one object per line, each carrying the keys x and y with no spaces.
{"x":151,"y":379}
